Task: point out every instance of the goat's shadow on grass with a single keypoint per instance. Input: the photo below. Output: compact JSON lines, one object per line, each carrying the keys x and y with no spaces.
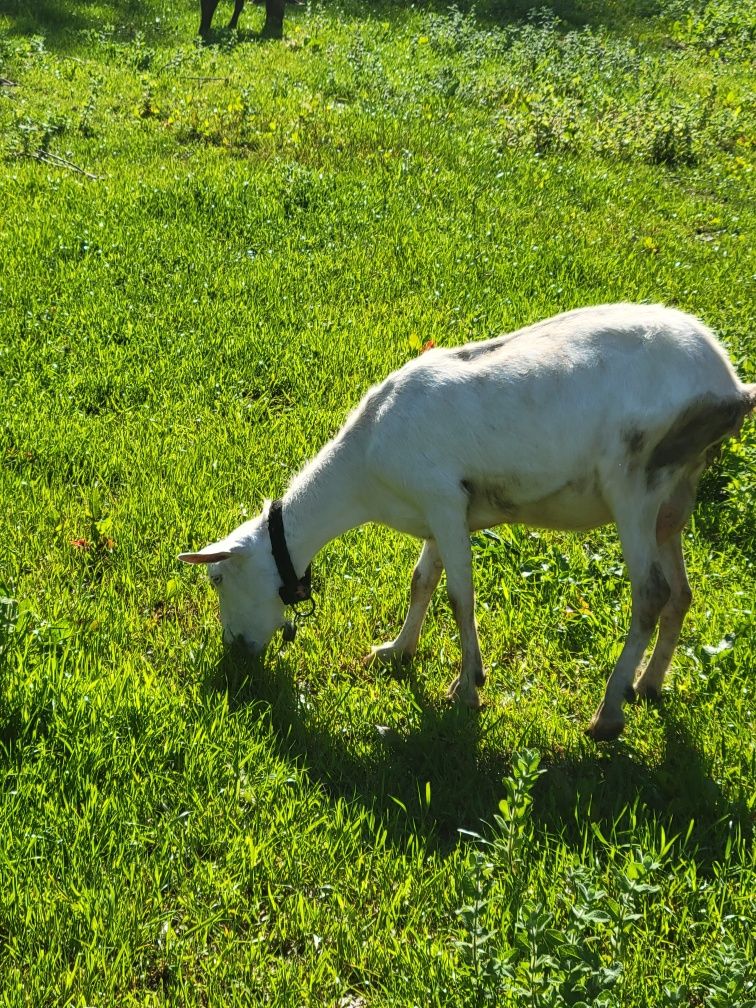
{"x":381,"y":767}
{"x":620,"y":792}
{"x":440,"y":775}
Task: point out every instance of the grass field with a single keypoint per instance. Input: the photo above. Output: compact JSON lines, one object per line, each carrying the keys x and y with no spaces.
{"x":207,"y":254}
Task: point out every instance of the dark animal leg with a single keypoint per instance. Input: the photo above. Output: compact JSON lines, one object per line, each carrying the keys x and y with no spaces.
{"x":207,"y":8}
{"x":238,"y":5}
{"x":274,"y":16}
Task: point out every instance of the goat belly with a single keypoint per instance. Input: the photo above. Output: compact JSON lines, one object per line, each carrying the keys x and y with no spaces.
{"x":576,"y":506}
{"x":570,"y":508}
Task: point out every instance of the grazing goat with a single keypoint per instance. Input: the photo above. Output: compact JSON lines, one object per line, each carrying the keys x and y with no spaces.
{"x":274,"y":15}
{"x":605,"y":414}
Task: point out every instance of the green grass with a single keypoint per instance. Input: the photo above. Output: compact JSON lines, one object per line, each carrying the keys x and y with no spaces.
{"x":272,"y":228}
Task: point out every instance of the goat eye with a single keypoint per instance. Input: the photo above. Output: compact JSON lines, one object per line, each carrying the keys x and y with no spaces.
{"x":216,"y":579}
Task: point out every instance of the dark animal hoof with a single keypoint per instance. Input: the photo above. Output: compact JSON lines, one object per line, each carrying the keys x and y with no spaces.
{"x":272,"y":30}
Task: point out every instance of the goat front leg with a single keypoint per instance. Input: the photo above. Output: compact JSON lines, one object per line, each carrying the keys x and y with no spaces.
{"x":425,"y":577}
{"x":650,"y":592}
{"x":452,"y":535}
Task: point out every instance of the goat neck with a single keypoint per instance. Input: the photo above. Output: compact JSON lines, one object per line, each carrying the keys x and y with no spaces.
{"x":323,"y":501}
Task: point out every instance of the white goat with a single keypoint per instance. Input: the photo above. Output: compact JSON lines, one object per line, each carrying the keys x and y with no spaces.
{"x":596,"y":415}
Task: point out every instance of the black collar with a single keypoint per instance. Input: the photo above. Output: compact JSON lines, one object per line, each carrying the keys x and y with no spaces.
{"x":293,"y":589}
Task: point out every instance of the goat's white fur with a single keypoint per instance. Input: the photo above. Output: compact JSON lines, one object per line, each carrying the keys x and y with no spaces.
{"x":596,"y":415}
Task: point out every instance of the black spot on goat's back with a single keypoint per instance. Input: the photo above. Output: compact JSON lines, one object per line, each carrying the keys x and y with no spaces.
{"x":471,"y":351}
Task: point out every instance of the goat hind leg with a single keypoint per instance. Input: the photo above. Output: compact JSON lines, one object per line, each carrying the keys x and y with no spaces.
{"x":649,"y":683}
{"x":650,"y":593}
{"x":425,"y":577}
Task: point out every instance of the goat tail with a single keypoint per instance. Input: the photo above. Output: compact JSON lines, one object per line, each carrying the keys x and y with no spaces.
{"x":749,"y":397}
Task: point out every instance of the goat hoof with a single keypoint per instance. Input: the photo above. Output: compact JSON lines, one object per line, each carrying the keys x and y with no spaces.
{"x":386,"y":655}
{"x":650,"y":694}
{"x":463,"y":695}
{"x":606,"y":724}
{"x":604,"y":730}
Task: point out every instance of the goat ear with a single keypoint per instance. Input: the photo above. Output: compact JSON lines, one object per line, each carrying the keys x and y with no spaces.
{"x":208,"y":555}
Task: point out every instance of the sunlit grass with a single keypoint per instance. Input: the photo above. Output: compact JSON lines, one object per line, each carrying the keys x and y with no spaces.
{"x":272,"y":228}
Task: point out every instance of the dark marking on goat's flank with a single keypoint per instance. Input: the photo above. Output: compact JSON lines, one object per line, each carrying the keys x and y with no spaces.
{"x":701,"y":425}
{"x":578,"y":486}
{"x":634,"y":439}
{"x":499,"y":500}
{"x":492,"y":495}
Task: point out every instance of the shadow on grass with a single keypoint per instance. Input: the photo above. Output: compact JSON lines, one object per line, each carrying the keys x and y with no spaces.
{"x":64,"y":25}
{"x":445,"y":757}
{"x":63,"y":22}
{"x":721,"y":518}
{"x":609,"y":787}
{"x":612,"y":14}
{"x":60,"y":21}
